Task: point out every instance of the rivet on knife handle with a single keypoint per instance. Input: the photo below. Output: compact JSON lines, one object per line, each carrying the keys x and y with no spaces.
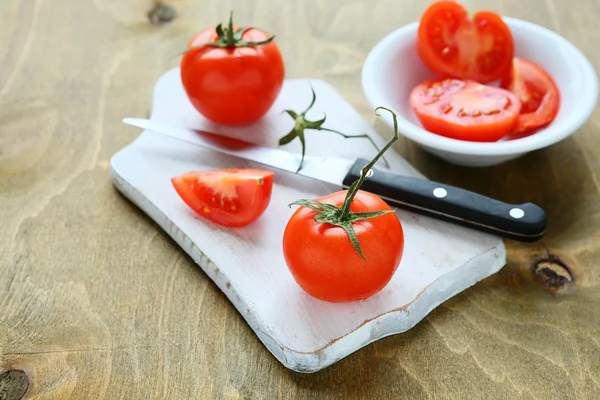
{"x":526,"y":222}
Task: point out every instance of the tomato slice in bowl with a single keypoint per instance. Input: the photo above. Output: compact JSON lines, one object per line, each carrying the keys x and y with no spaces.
{"x":539,"y":95}
{"x":465,"y":109}
{"x":228,"y":197}
{"x":454,"y":45}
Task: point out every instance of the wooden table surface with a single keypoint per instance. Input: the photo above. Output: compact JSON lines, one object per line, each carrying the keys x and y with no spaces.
{"x":97,"y":302}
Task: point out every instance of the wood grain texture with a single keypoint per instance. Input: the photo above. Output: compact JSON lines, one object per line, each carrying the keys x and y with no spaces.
{"x":88,"y":308}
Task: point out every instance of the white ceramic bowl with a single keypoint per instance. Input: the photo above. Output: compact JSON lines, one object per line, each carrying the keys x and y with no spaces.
{"x":393,"y":68}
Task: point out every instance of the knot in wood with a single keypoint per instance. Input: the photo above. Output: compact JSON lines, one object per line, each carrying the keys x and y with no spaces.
{"x":13,"y":384}
{"x":161,"y":14}
{"x":552,"y":272}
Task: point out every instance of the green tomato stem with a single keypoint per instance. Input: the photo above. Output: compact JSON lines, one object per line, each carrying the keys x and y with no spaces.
{"x":364,"y":135}
{"x":301,"y":124}
{"x":354,"y":188}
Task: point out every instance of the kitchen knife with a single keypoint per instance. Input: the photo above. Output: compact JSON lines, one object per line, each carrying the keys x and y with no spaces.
{"x":524,"y":222}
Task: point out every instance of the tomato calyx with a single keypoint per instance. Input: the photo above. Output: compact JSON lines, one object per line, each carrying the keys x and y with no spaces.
{"x":301,"y":123}
{"x":228,"y":38}
{"x":330,"y":214}
{"x":343,"y":216}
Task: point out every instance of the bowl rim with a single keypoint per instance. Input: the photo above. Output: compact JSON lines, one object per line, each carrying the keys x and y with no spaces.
{"x":586,"y":104}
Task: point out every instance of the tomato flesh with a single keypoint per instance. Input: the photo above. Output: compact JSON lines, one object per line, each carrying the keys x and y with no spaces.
{"x":228,"y":197}
{"x":538,"y":93}
{"x":465,"y":109}
{"x":232,"y":86}
{"x":323,"y":261}
{"x":453,"y":45}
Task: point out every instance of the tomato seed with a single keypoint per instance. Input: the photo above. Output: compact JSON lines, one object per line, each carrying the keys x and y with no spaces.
{"x":492,"y":112}
{"x":446,"y":108}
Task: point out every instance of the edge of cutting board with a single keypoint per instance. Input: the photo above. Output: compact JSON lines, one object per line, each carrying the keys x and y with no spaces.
{"x":387,"y":324}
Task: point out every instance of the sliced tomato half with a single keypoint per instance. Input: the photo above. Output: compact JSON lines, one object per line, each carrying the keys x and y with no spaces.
{"x":465,"y":109}
{"x":539,"y":95}
{"x":228,"y":197}
{"x":454,"y":45}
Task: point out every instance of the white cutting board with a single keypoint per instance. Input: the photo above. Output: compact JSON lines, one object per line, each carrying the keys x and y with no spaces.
{"x":247,"y":264}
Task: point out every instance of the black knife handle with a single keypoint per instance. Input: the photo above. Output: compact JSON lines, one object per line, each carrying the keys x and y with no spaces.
{"x":524,"y":222}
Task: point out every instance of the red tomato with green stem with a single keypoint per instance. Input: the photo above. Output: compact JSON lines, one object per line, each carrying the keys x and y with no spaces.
{"x":538,"y":93}
{"x":228,"y":197}
{"x":465,"y":109}
{"x":323,"y":260}
{"x":232,"y":75}
{"x":453,"y":44}
{"x":345,"y":246}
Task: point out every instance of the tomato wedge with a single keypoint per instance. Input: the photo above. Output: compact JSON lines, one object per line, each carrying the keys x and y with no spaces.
{"x":228,"y":197}
{"x":539,"y":95}
{"x":454,"y":45}
{"x":465,"y":109}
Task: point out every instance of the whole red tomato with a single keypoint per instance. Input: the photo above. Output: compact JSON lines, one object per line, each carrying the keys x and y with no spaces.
{"x":345,"y":246}
{"x":232,"y":76}
{"x":323,"y":260}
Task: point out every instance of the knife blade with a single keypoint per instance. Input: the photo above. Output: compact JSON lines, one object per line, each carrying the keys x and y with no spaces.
{"x":523,"y":222}
{"x":327,"y":169}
